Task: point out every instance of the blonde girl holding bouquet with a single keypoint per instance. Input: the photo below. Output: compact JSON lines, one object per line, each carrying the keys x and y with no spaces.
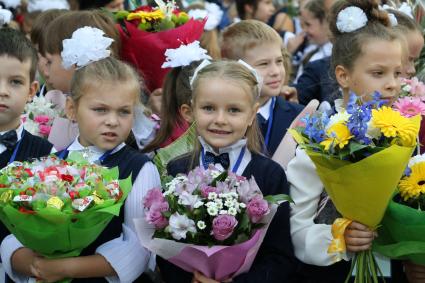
{"x":367,"y":56}
{"x":104,"y":92}
{"x":224,"y":103}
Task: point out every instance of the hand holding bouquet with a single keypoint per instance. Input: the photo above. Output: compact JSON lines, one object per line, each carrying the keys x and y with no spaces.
{"x":208,"y":220}
{"x":360,"y":154}
{"x":57,"y":207}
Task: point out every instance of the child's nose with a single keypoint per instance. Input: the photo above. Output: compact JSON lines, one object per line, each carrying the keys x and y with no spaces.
{"x":221,"y":117}
{"x":112,"y":119}
{"x":3,"y":90}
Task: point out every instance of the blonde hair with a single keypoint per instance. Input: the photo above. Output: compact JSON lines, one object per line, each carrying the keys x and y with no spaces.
{"x":239,"y":37}
{"x":108,"y":70}
{"x":233,"y":71}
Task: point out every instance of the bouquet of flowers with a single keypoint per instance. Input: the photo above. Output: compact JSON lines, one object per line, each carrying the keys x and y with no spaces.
{"x":67,"y":203}
{"x":208,"y":220}
{"x":39,"y":116}
{"x":147,"y":32}
{"x":411,"y":101}
{"x":360,"y":154}
{"x":401,"y":231}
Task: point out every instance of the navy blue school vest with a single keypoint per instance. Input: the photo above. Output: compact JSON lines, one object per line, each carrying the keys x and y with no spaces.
{"x":284,"y":113}
{"x":129,"y":162}
{"x":30,"y":147}
{"x":275,"y":261}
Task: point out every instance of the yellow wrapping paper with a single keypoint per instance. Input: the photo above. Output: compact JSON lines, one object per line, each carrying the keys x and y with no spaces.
{"x":361,"y":191}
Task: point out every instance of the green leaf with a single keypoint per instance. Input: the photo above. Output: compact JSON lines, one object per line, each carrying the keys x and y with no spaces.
{"x":278,"y":198}
{"x":219,"y":178}
{"x":354,"y":146}
{"x":244,"y":222}
{"x":31,"y":116}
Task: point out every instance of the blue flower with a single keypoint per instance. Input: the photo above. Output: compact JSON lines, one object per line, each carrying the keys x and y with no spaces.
{"x":314,"y":128}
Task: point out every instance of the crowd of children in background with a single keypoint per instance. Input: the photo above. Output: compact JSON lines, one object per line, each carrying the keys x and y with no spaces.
{"x":291,"y":52}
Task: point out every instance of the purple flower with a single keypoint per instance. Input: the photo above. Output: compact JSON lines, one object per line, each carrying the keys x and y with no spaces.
{"x":223,"y":226}
{"x":257,"y":208}
{"x":154,"y":215}
{"x":205,"y":190}
{"x":152,"y":196}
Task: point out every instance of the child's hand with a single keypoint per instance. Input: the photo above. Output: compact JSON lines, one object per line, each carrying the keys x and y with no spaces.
{"x":358,"y":237}
{"x":415,"y":273}
{"x":200,"y":278}
{"x":48,"y":270}
{"x":295,"y":42}
{"x":289,"y":93}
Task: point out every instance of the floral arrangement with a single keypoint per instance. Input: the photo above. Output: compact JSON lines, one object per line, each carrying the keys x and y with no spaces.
{"x":411,"y":100}
{"x":360,"y":155}
{"x":363,"y":128}
{"x":401,"y":231}
{"x":39,"y":116}
{"x":207,"y":211}
{"x":68,"y":202}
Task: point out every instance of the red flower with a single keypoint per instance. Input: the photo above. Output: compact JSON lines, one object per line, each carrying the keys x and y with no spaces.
{"x":68,"y":178}
{"x":26,"y":211}
{"x":3,"y":186}
{"x":29,"y":172}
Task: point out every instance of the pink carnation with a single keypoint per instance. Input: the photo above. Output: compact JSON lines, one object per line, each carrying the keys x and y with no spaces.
{"x":223,"y":226}
{"x":42,"y":119}
{"x":153,"y":196}
{"x":257,"y":208}
{"x":44,"y":130}
{"x":155,"y":217}
{"x":410,"y":106}
{"x":205,"y":190}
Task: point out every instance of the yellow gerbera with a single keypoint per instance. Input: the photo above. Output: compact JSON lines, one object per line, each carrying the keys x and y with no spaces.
{"x":393,"y":125}
{"x":146,"y":16}
{"x":414,"y":185}
{"x":339,"y":135}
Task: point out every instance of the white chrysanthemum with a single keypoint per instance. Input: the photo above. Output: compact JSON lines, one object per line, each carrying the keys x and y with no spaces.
{"x":32,"y":127}
{"x":373,"y":132}
{"x":212,"y":210}
{"x":211,"y":204}
{"x":219,"y":203}
{"x":86,"y":45}
{"x":44,"y":5}
{"x":5,"y":16}
{"x":201,"y":225}
{"x":242,"y":205}
{"x":184,"y":55}
{"x":212,"y":196}
{"x":11,"y":3}
{"x":351,"y":19}
{"x":416,"y":159}
{"x":232,"y":211}
{"x":212,"y":12}
{"x":179,"y":225}
{"x":339,"y":117}
{"x":229,"y":203}
{"x":406,"y":88}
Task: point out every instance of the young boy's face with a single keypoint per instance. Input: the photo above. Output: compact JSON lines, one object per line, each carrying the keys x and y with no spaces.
{"x":267,"y":59}
{"x":57,"y":76}
{"x":16,"y":89}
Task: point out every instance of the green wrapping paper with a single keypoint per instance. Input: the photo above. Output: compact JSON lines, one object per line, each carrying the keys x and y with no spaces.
{"x":56,"y":234}
{"x":402,"y":234}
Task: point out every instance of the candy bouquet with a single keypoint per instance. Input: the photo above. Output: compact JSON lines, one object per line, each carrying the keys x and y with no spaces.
{"x":147,"y":32}
{"x":401,"y":234}
{"x":207,"y":220}
{"x":360,"y":154}
{"x":58,"y":207}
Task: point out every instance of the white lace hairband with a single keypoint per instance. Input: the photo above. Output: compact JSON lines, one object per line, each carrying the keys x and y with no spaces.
{"x":86,"y":45}
{"x":184,"y":55}
{"x":246,"y":65}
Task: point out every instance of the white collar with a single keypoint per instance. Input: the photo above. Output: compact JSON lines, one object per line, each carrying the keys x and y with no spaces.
{"x":92,"y":152}
{"x":228,"y":149}
{"x":19,"y":131}
{"x":264,"y":110}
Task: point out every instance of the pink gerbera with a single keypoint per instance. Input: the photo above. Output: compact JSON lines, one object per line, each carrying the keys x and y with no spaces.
{"x":410,"y":106}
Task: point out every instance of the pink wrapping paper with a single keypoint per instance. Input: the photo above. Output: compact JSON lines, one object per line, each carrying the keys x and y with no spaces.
{"x":62,"y":133}
{"x":217,"y":262}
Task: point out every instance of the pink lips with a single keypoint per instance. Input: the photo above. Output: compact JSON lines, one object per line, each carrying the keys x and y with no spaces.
{"x":219,"y":132}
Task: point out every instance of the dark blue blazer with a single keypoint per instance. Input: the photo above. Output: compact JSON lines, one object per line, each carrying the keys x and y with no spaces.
{"x":275,"y":261}
{"x":317,"y":82}
{"x":284,"y":113}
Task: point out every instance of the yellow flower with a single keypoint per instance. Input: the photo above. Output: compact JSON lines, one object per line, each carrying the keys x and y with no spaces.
{"x":393,"y":125}
{"x":146,"y":16}
{"x":339,"y":135}
{"x":414,"y":185}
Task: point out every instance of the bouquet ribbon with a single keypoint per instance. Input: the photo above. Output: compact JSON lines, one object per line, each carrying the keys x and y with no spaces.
{"x":337,"y":245}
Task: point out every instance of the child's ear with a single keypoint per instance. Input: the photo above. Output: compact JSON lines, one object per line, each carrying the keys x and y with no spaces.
{"x":254,"y":114}
{"x":342,"y":76}
{"x":70,"y":109}
{"x":33,"y":90}
{"x":186,"y":112}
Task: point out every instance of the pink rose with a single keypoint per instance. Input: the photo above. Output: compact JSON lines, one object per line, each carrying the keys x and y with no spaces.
{"x":223,"y":226}
{"x":155,"y":217}
{"x":257,"y":207}
{"x":154,"y":195}
{"x":205,"y":190}
{"x":44,"y":130}
{"x":42,"y":119}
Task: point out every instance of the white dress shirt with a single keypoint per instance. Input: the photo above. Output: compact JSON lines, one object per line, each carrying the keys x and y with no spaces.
{"x":125,"y":253}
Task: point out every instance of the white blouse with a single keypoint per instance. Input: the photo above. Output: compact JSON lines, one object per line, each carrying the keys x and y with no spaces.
{"x":126,"y":255}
